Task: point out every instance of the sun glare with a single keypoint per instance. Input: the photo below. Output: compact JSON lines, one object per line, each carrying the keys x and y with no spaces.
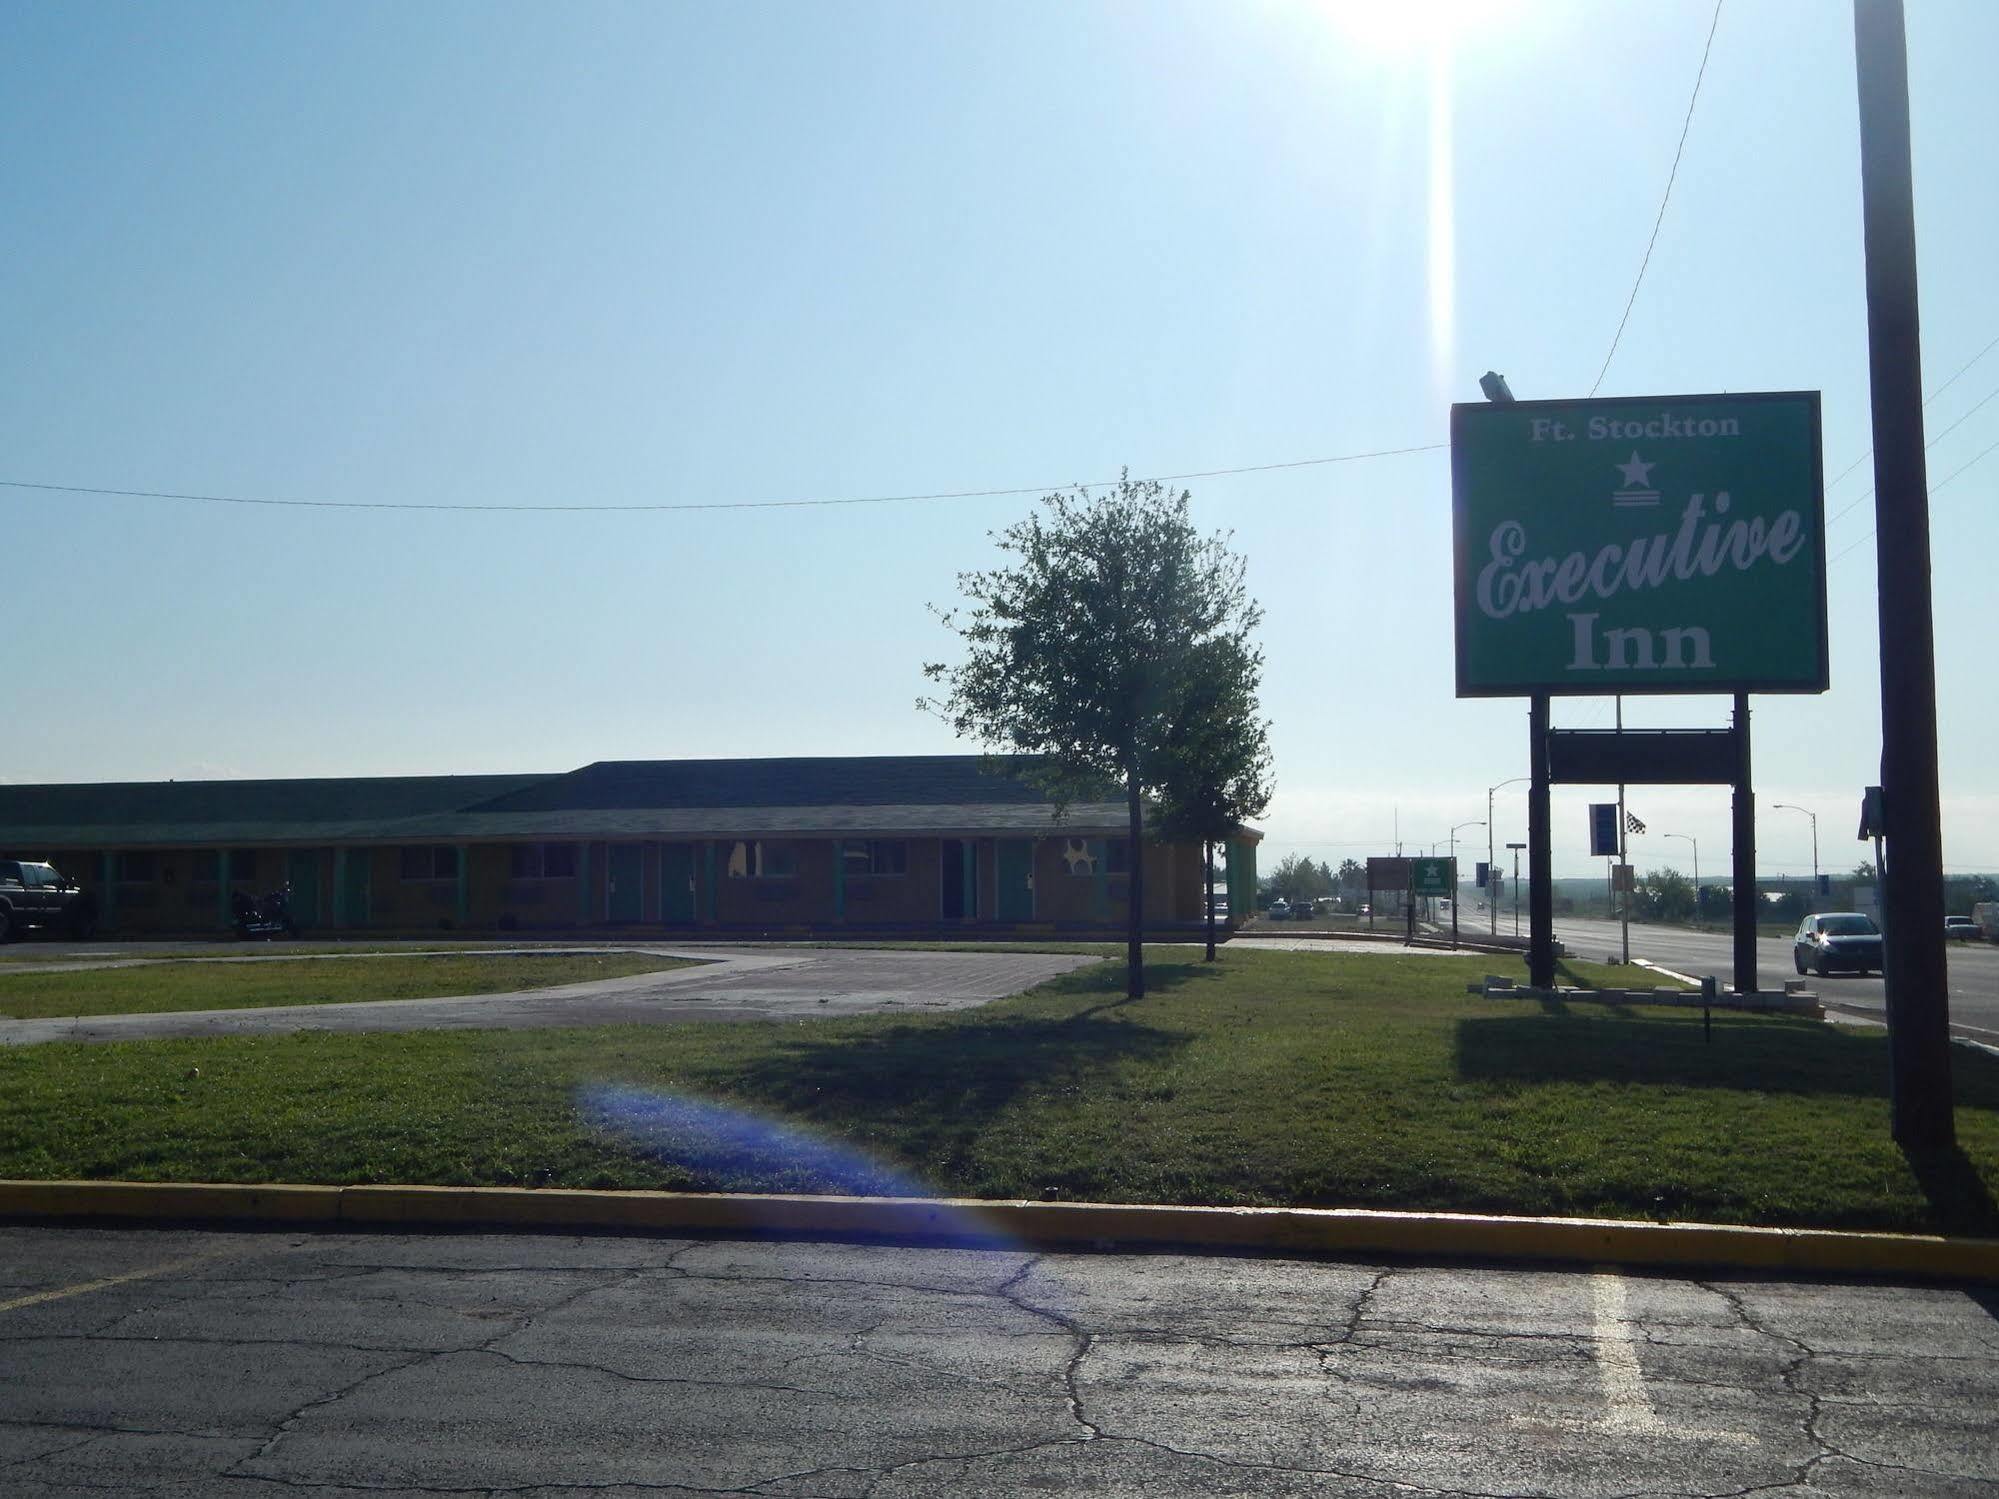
{"x":1410,"y":25}
{"x":1420,"y":40}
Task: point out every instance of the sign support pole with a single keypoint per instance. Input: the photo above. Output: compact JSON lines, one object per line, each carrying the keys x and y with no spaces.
{"x":1744,"y":807}
{"x":1540,"y":851}
{"x":1623,"y":846}
{"x":1913,"y":965}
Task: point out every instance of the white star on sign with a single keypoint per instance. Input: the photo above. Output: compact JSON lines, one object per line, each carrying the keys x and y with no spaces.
{"x":1636,"y":472}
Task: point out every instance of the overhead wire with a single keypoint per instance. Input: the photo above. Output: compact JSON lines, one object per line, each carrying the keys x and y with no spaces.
{"x":1954,"y":473}
{"x":1989,"y":395}
{"x":1961,"y":370}
{"x":1665,"y":198}
{"x":880,"y":499}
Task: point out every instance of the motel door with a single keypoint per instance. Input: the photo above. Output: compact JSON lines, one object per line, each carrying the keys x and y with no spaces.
{"x":354,"y":898}
{"x":627,"y":877}
{"x":961,"y":879}
{"x":676,"y":882}
{"x":302,"y":874}
{"x":1014,"y":858}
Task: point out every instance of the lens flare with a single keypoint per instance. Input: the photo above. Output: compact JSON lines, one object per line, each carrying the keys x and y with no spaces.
{"x":725,"y":1148}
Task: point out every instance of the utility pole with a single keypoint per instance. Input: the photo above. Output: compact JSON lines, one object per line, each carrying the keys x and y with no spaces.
{"x":1913,"y":963}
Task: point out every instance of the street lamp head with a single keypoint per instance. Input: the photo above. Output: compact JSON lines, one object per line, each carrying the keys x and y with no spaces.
{"x":1496,"y":389}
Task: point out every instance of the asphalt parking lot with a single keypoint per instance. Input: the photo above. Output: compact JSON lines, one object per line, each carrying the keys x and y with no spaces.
{"x":730,"y":984}
{"x":178,"y":1362}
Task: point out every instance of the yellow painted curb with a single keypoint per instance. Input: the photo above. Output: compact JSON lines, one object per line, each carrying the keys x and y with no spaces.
{"x":1044,"y":1225}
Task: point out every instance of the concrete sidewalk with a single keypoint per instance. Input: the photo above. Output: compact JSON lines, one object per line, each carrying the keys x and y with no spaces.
{"x":225,"y":1364}
{"x":730,"y":984}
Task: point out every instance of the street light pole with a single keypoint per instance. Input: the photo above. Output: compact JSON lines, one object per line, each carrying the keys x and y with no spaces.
{"x":1697,"y":872}
{"x":1455,"y":891}
{"x":1788,"y":807}
{"x":1491,"y":905}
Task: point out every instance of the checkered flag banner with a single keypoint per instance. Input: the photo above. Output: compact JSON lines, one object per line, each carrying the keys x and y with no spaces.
{"x":1632,"y":824}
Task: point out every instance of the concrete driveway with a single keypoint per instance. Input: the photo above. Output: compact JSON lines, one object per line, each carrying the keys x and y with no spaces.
{"x":729,"y":984}
{"x":253,"y":1364}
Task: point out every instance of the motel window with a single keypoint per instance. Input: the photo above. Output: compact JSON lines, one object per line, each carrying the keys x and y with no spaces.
{"x":762,"y":859}
{"x":138,"y":869}
{"x":875,"y":856}
{"x":542,"y":861}
{"x":429,"y":861}
{"x":207,"y":865}
{"x":1079,"y":855}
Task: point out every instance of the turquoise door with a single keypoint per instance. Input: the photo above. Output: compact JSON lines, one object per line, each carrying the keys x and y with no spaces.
{"x":1015,"y":857}
{"x":676,"y":882}
{"x":354,"y":895}
{"x":302,"y":874}
{"x":627,"y":875}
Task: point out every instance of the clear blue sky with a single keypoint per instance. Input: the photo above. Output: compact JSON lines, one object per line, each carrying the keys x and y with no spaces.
{"x":631,"y":254}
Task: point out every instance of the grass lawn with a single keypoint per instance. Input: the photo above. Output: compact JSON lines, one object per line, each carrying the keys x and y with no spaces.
{"x":305,"y":981}
{"x":1269,"y":1077}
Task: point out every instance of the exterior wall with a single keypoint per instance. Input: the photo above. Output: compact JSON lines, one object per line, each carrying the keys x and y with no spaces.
{"x":788,"y":900}
{"x":396,"y":902}
{"x":902,"y":899}
{"x":483,"y":895}
{"x":173,"y":900}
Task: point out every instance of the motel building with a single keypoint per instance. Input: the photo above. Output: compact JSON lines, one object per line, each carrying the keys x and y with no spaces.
{"x":903,"y":845}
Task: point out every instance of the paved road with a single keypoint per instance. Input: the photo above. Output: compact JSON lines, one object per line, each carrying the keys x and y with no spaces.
{"x":167,"y":1362}
{"x":1974,"y":968}
{"x":731,"y":984}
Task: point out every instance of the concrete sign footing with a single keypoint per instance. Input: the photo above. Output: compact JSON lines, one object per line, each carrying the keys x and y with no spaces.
{"x":1794,"y":999}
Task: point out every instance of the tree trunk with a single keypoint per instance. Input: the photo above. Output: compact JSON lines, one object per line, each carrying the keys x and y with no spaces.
{"x":1208,"y":890}
{"x":1134,"y":958}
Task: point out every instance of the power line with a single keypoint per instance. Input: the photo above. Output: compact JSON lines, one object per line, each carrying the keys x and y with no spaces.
{"x":1983,"y":452}
{"x":1666,"y":198}
{"x":1926,"y":447}
{"x":1967,"y":365}
{"x":1961,"y":369}
{"x":878,"y":499}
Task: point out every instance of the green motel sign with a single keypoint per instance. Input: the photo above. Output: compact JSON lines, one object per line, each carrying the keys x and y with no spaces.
{"x":1431,"y":876}
{"x":1644,"y":544}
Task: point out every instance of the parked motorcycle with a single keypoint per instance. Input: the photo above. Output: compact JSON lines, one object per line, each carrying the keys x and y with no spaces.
{"x":267,"y":916}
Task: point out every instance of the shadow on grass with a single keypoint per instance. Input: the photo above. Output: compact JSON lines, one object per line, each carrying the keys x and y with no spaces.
{"x":935,"y":1088}
{"x":1747,"y":1055}
{"x":1956,"y":1191}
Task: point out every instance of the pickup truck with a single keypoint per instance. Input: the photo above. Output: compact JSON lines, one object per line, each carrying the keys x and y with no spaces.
{"x":34,"y":894}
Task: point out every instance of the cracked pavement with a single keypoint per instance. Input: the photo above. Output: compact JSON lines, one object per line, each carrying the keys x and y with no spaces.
{"x":256,"y":1363}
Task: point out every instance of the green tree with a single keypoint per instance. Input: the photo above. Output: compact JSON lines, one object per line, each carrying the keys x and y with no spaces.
{"x":1214,"y":769}
{"x":1086,"y":650}
{"x":1664,"y":895}
{"x":1292,"y":877}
